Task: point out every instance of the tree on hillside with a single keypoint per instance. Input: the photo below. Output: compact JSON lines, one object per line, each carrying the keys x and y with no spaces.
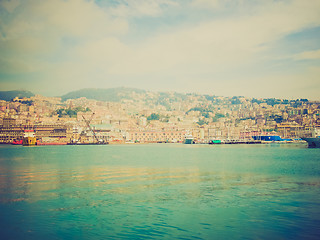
{"x":153,"y":116}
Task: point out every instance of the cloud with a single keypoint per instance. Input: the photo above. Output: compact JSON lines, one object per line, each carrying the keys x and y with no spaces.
{"x":77,"y":41}
{"x":14,"y":66}
{"x":45,"y":30}
{"x":215,"y":45}
{"x":141,"y":8}
{"x":215,"y":4}
{"x":291,"y":85}
{"x":10,"y":5}
{"x":309,"y":55}
{"x":57,"y":18}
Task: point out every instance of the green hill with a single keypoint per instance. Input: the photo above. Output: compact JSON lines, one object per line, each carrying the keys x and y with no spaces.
{"x":108,"y":95}
{"x":9,"y":95}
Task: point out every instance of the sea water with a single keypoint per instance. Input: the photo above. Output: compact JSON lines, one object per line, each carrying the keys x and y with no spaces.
{"x":160,"y":191}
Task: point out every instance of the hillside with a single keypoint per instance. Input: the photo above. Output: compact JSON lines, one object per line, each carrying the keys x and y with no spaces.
{"x":9,"y":95}
{"x":108,"y":95}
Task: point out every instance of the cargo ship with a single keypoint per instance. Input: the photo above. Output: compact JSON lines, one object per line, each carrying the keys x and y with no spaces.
{"x":313,"y":142}
{"x":314,"y":139}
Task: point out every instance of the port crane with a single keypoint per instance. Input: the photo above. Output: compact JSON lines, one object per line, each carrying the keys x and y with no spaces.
{"x":84,"y":130}
{"x":88,"y":125}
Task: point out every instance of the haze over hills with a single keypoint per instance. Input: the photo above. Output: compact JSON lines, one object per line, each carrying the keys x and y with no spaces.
{"x":118,"y":94}
{"x":107,"y":95}
{"x":99,"y":94}
{"x":9,"y":95}
{"x":121,"y":93}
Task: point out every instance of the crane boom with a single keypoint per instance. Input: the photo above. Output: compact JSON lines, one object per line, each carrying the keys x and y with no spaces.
{"x":88,"y":125}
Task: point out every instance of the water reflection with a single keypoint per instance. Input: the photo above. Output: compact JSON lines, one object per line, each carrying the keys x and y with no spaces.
{"x":156,"y":184}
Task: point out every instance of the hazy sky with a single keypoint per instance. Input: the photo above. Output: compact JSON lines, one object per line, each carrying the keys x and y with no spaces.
{"x":253,"y":48}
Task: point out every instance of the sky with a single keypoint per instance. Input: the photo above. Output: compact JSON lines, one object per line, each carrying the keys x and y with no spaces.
{"x":251,"y":48}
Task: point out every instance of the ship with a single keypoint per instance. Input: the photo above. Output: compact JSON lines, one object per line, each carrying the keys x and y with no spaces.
{"x":189,"y":139}
{"x":268,"y":138}
{"x":29,"y":138}
{"x":313,"y":142}
{"x":17,"y":142}
{"x":88,"y":143}
{"x":50,"y":143}
{"x":215,"y":141}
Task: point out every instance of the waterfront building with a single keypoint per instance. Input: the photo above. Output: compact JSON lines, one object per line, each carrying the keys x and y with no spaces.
{"x":155,"y":136}
{"x":8,"y":121}
{"x":289,"y":129}
{"x":10,"y":131}
{"x":62,"y":132}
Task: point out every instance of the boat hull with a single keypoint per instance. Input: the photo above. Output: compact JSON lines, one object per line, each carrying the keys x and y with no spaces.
{"x":102,"y":143}
{"x":50,"y":143}
{"x":189,"y":141}
{"x":29,"y":141}
{"x":312,"y":142}
{"x":17,"y":142}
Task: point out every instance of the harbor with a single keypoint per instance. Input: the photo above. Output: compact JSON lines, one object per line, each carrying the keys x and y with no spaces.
{"x":159,"y":120}
{"x":183,"y":118}
{"x":134,"y":191}
{"x":91,"y":134}
{"x":44,"y":135}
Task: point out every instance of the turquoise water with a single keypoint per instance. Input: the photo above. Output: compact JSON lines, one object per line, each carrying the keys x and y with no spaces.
{"x":160,"y":191}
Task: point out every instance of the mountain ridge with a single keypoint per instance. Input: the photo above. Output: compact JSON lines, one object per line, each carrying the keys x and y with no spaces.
{"x":9,"y":95}
{"x":102,"y":94}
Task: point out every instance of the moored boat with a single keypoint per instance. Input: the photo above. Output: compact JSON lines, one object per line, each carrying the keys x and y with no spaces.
{"x":313,"y":142}
{"x":314,"y":139}
{"x":87,"y":143}
{"x":50,"y":143}
{"x":268,"y":138}
{"x":17,"y":142}
{"x":29,"y":138}
{"x":189,"y":139}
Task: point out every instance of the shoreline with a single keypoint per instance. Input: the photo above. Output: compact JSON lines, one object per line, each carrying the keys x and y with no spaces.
{"x":143,"y":143}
